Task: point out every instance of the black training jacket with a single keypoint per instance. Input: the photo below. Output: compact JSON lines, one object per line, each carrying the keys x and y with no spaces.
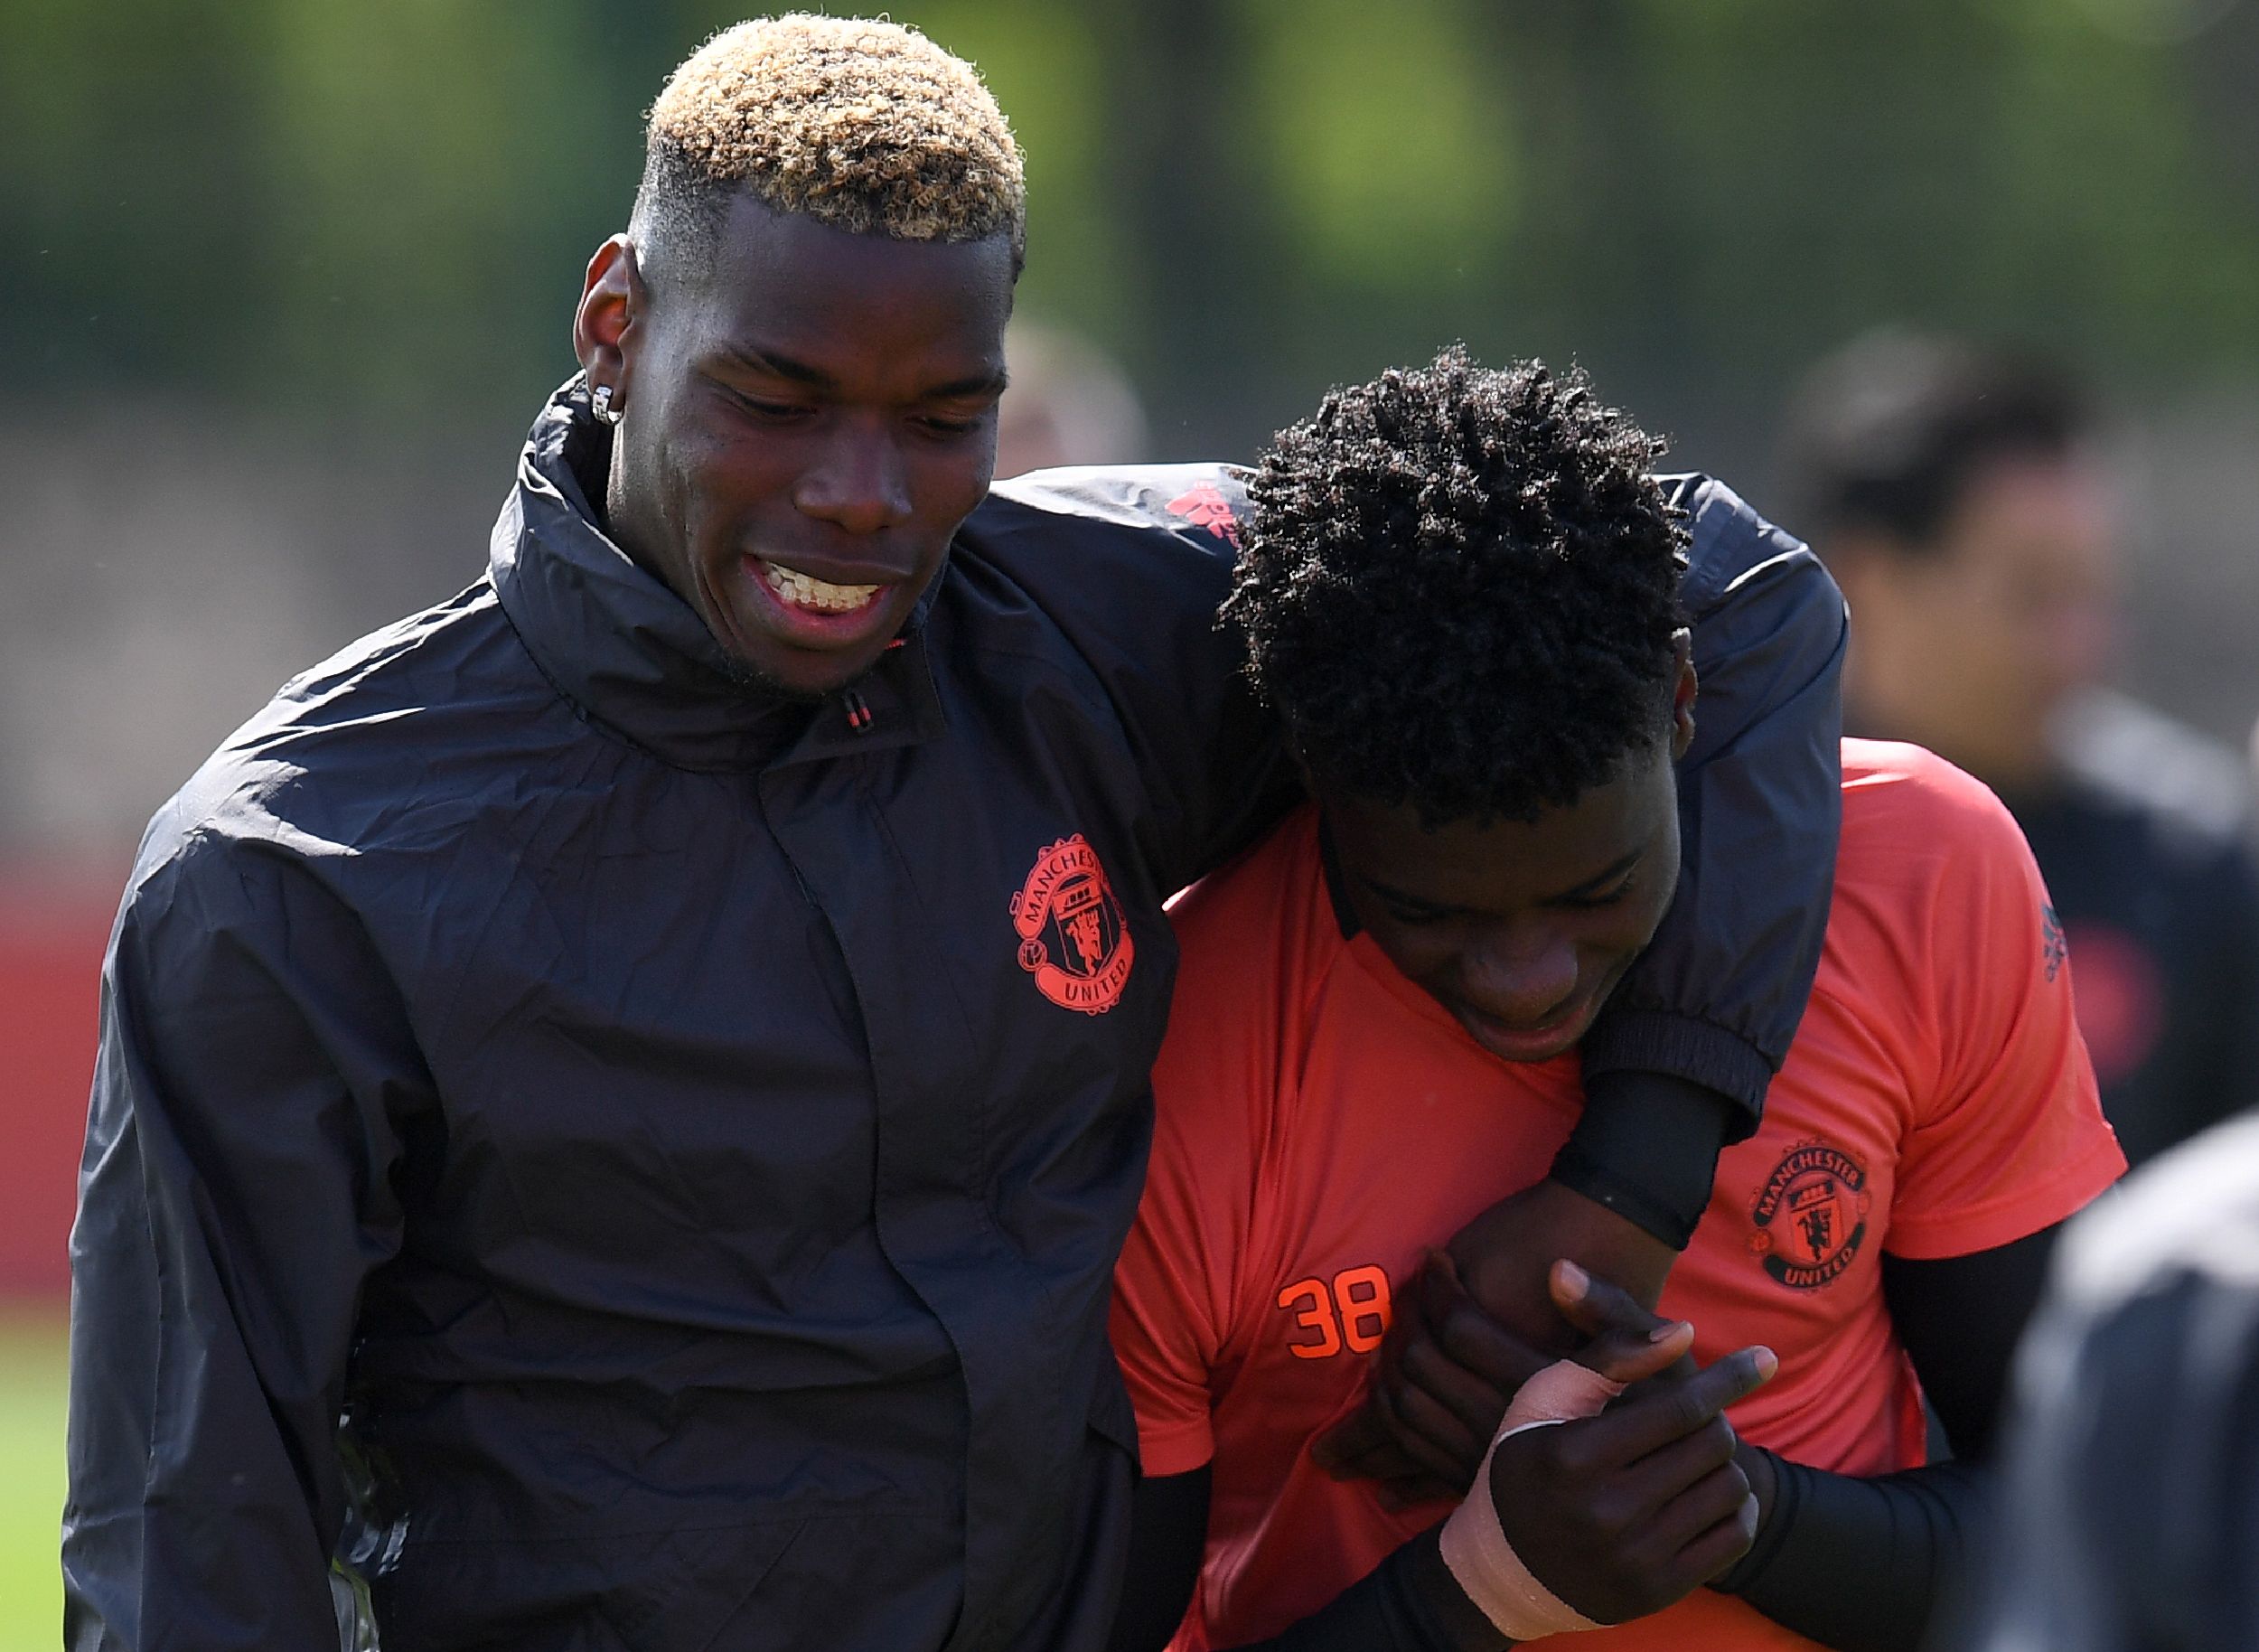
{"x":582,"y":1157}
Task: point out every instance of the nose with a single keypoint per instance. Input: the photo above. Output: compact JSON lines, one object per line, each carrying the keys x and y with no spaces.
{"x":859,"y":482}
{"x":1521,"y":980}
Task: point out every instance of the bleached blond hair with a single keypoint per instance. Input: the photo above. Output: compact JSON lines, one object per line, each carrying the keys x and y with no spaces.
{"x":861,"y":124}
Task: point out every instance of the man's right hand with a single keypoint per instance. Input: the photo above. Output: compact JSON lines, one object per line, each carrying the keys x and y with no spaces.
{"x":1623,"y":1513}
{"x":1448,"y":1371}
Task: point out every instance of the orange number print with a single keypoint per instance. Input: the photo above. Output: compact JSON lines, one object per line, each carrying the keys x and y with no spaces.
{"x":1353,"y":1314}
{"x":1362,"y":1296}
{"x":1318,"y":1316}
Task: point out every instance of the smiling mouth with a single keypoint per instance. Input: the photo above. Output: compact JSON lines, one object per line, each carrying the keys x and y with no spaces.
{"x":805,"y":591}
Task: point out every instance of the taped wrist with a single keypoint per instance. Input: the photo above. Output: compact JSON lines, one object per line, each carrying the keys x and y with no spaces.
{"x":1646,"y":1147}
{"x":1474,"y":1544}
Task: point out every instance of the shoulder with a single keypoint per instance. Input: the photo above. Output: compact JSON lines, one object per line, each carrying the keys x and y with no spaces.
{"x":363,"y":747}
{"x":1117,"y":502}
{"x":1731,"y":544}
{"x":1088,"y":537}
{"x":1891,"y":787}
{"x":1932,"y":873}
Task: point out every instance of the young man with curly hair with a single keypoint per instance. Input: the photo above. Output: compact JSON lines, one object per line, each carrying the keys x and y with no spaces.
{"x":1467,"y":599}
{"x":620,"y":1095}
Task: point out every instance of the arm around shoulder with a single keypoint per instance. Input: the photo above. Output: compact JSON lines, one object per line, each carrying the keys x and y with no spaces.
{"x":1132,"y":563}
{"x":1712,"y":1005}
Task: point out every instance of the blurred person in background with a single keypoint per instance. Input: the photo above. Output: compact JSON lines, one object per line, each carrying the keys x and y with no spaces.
{"x":1958,"y":497}
{"x":1070,"y":404}
{"x":2131,"y":1518}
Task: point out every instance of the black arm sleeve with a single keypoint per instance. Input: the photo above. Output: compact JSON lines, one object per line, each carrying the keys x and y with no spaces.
{"x":1410,"y":1602}
{"x":1867,"y":1566}
{"x":1715,"y":998}
{"x":1169,"y":1533}
{"x":1646,"y":1147}
{"x":1859,"y":1565}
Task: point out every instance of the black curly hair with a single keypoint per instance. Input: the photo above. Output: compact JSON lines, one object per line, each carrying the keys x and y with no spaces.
{"x":1460,"y":589}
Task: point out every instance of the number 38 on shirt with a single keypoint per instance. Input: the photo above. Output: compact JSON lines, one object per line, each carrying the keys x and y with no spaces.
{"x":1348,"y":1313}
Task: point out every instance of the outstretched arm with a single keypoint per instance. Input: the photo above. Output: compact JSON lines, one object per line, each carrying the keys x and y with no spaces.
{"x":1706,"y":1015}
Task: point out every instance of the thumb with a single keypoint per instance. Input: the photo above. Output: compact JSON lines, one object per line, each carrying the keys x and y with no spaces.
{"x":1595,"y":1306}
{"x":1626,"y":1358}
{"x":1629,"y":1344}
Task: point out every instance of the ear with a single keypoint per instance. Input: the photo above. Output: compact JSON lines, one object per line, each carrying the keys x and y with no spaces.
{"x":615,"y":306}
{"x":1683,"y":688}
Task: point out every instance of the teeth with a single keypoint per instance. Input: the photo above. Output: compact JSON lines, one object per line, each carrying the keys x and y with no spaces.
{"x":795,"y":586}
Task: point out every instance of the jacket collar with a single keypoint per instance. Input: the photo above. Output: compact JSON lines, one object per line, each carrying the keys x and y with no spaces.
{"x":632,"y":656}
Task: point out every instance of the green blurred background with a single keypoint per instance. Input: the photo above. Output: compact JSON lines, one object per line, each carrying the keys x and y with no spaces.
{"x":284,"y":280}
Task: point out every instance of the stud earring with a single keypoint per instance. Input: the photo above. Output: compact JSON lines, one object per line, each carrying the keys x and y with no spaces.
{"x":600,"y":404}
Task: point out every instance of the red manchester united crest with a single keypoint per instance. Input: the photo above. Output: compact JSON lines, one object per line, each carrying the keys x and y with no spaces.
{"x":1811,"y":1216}
{"x":1073,"y":937}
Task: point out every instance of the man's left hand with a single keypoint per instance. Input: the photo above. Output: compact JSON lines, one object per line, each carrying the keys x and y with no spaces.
{"x":1477,"y":1322}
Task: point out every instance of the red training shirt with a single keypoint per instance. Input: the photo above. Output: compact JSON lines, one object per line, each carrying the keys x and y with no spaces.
{"x":1322,"y":1121}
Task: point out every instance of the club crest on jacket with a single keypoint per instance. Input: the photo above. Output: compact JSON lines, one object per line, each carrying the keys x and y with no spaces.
{"x":1073,"y":936}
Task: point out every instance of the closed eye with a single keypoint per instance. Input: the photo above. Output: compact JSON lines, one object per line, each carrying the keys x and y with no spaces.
{"x":1400,"y":913}
{"x":949,"y":428}
{"x":761,"y":406}
{"x":1608,"y":897}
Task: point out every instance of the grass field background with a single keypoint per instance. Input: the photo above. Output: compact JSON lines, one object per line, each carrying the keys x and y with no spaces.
{"x":32,"y":1389}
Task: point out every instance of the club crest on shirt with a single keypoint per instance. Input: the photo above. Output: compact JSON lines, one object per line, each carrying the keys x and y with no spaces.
{"x":1811,"y":1216}
{"x":1073,"y":936}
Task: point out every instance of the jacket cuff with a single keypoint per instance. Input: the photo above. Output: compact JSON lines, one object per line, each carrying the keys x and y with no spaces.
{"x":1646,"y":1147}
{"x":1679,"y":1047}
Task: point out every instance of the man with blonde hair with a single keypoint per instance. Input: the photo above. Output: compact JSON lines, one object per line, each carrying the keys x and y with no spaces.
{"x":619,"y":1095}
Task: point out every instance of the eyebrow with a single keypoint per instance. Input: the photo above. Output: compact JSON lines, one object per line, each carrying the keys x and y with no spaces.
{"x":782,"y":366}
{"x":1591,"y":885}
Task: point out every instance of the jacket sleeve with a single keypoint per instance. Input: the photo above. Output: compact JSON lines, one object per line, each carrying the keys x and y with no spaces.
{"x":1132,"y":563}
{"x":235,"y":1193}
{"x":1716,"y":996}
